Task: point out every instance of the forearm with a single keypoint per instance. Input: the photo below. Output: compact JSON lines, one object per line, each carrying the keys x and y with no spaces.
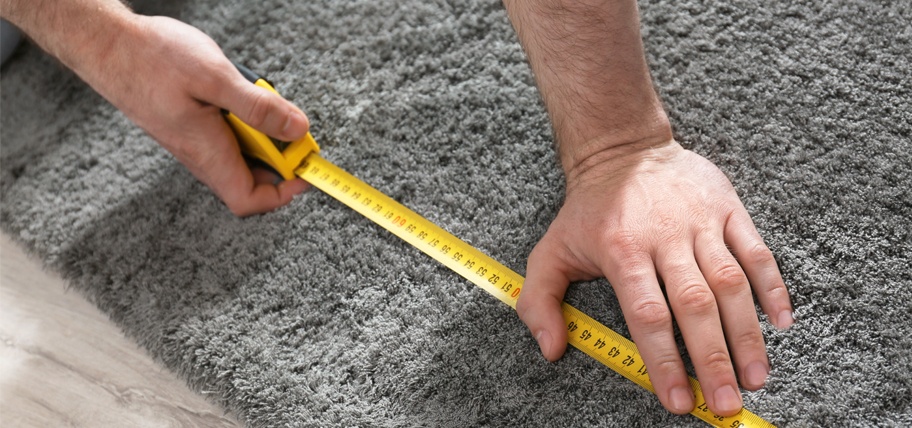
{"x":588,"y":60}
{"x":76,"y":32}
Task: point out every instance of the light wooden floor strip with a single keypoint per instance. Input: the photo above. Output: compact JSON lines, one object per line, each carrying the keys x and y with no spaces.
{"x":63,"y":363}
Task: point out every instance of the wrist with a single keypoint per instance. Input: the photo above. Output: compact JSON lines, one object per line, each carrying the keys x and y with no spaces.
{"x":613,"y":148}
{"x":75,"y":32}
{"x":88,"y":51}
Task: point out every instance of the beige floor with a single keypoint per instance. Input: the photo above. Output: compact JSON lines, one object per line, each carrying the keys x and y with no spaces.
{"x":63,"y":363}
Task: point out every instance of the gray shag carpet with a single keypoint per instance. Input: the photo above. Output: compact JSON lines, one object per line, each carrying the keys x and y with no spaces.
{"x":313,"y":316}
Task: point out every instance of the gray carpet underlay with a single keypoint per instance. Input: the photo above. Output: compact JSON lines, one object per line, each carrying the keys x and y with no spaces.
{"x":313,"y":316}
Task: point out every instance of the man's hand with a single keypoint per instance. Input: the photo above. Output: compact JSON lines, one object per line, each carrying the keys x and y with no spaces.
{"x":173,"y":81}
{"x":651,"y":217}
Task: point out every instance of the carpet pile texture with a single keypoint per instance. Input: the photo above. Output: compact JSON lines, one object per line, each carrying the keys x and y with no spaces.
{"x":313,"y":316}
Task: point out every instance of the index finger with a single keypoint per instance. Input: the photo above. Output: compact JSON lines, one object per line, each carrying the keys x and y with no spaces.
{"x":649,"y":320}
{"x":218,"y":163}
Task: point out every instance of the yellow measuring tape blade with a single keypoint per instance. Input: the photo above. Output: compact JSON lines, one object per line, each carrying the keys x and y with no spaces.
{"x":585,"y":333}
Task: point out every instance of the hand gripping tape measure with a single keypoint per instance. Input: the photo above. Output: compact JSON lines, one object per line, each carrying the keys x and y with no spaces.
{"x":301,"y":158}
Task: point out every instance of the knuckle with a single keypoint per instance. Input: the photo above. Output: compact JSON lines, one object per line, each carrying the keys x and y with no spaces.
{"x":696,"y":298}
{"x":680,"y":271}
{"x":541,"y":253}
{"x":523,"y":305}
{"x":665,"y":364}
{"x":528,"y":304}
{"x":751,"y":337}
{"x":238,"y":210}
{"x":651,"y":315}
{"x":668,"y":227}
{"x":210,"y":83}
{"x":258,"y":110}
{"x":777,"y":292}
{"x":728,"y":279}
{"x":627,"y":247}
{"x":241,"y":204}
{"x":205,"y":159}
{"x":759,"y":253}
{"x":637,"y":278}
{"x":190,"y":154}
{"x":716,"y":361}
{"x":215,"y":80}
{"x":625,"y":241}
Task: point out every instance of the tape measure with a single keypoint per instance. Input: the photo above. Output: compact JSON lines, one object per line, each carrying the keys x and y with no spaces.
{"x":301,"y":158}
{"x":585,"y":333}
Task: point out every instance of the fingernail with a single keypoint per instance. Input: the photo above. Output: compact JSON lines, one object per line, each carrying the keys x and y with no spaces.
{"x":295,"y":125}
{"x":544,"y":341}
{"x":728,"y":401}
{"x":785,"y":320}
{"x":755,"y":374}
{"x":681,"y":399}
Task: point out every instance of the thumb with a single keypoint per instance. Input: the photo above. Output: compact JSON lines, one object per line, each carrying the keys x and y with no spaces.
{"x":539,"y":303}
{"x":262,"y":109}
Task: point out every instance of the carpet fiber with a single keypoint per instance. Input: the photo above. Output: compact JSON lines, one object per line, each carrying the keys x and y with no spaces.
{"x":313,"y":316}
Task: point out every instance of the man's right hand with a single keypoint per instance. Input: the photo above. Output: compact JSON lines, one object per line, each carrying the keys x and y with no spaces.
{"x":173,"y":81}
{"x":643,"y":212}
{"x":659,"y":220}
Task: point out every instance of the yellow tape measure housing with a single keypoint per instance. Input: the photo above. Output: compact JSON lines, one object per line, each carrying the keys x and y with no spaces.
{"x":257,"y":144}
